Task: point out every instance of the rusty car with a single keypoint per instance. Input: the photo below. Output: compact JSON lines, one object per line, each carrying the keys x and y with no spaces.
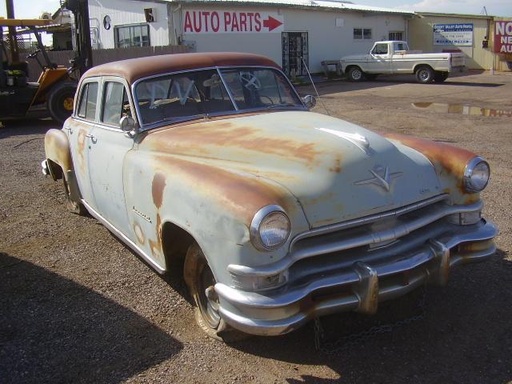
{"x":214,"y":170}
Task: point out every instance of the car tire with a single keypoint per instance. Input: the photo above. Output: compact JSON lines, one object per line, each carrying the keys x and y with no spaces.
{"x":440,"y":77}
{"x":71,"y":205}
{"x":200,"y":280}
{"x":355,"y":74}
{"x":425,"y":74}
{"x":60,"y":101}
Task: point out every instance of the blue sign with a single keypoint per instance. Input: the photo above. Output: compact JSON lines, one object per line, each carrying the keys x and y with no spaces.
{"x":453,"y":34}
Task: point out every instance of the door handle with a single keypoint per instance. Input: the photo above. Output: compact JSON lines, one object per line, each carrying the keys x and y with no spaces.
{"x":92,"y":137}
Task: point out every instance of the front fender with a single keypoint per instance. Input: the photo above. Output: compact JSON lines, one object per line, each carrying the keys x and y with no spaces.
{"x":215,"y":205}
{"x":56,"y":146}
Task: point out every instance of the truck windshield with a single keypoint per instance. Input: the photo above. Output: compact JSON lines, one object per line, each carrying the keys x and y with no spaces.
{"x":196,"y":94}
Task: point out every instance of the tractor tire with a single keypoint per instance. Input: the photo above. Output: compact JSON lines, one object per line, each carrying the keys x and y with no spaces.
{"x":60,"y":101}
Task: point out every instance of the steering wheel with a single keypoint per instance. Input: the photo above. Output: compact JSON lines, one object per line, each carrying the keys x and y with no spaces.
{"x":249,"y":80}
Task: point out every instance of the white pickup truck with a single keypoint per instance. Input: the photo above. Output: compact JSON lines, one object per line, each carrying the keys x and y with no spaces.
{"x":394,"y":57}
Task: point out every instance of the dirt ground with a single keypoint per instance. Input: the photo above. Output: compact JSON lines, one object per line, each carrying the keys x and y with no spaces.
{"x":76,"y":306}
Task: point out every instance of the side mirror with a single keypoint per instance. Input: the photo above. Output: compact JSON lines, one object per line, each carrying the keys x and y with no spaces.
{"x":129,"y":125}
{"x":309,"y":101}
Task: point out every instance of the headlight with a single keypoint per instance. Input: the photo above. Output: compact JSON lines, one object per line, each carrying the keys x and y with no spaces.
{"x":476,"y":175}
{"x":270,"y":228}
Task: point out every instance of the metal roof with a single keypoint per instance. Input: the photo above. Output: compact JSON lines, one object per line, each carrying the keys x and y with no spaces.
{"x":321,"y":4}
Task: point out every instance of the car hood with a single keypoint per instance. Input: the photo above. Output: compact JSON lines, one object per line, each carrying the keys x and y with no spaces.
{"x":336,"y":170}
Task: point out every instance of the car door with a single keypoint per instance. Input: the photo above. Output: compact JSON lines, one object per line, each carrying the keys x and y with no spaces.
{"x":106,"y":150}
{"x":379,"y":60}
{"x":78,"y":130}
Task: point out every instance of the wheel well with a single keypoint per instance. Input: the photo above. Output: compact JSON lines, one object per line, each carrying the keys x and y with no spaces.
{"x":419,"y":66}
{"x":352,"y":66}
{"x":55,"y":170}
{"x":175,"y":243}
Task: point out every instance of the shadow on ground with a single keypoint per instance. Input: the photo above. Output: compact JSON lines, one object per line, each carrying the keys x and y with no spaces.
{"x":54,"y":330}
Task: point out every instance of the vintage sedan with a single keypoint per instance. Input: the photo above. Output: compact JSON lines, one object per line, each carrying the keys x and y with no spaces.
{"x":211,"y":165}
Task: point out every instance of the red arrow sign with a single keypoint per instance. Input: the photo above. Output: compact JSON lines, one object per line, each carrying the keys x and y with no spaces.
{"x":271,"y":23}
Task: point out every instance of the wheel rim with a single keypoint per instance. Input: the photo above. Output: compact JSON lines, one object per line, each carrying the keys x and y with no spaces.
{"x":68,"y":103}
{"x":356,"y":74}
{"x":424,"y":75}
{"x":208,"y":299}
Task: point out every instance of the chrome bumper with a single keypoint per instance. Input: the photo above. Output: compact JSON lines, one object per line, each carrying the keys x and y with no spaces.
{"x":44,"y":168}
{"x":358,"y":288}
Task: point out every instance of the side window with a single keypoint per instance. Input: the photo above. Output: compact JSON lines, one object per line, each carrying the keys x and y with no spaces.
{"x":88,"y":101}
{"x":380,"y":49}
{"x":115,"y":103}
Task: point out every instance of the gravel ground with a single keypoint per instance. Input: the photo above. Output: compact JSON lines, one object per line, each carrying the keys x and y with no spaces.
{"x":76,"y":306}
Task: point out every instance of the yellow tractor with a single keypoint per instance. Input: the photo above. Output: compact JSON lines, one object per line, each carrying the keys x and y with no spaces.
{"x":53,"y":92}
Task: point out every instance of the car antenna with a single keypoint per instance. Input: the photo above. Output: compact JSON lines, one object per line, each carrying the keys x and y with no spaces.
{"x":314,"y":86}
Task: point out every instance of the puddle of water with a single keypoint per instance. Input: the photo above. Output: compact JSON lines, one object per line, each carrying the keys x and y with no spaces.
{"x":462,"y":109}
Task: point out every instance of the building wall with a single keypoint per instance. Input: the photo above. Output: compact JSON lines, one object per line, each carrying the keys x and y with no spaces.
{"x":330,"y":32}
{"x":421,"y":36}
{"x":127,"y":12}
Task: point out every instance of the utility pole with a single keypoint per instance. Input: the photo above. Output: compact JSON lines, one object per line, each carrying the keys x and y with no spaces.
{"x":13,"y":43}
{"x":80,"y":9}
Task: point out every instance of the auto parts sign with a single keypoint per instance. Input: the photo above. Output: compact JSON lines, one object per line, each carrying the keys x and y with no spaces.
{"x":231,"y":22}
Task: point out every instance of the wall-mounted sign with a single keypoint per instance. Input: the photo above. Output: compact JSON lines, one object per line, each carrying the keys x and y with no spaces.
{"x":503,"y":36}
{"x":107,"y":22}
{"x":231,"y":22}
{"x":453,"y":34}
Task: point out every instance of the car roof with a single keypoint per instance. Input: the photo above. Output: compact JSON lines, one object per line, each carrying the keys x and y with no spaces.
{"x":137,"y":68}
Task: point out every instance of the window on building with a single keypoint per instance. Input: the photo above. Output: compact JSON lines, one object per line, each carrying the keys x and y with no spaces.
{"x":88,"y":101}
{"x":362,"y":34}
{"x":396,"y":35}
{"x":132,"y":36}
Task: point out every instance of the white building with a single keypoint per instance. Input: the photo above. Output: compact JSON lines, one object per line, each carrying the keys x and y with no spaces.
{"x":291,"y":32}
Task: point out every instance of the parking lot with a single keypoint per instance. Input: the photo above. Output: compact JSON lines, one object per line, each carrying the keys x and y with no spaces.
{"x":77,"y":306}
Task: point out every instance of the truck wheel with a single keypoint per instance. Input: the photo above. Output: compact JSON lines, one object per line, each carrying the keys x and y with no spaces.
{"x":440,"y":77}
{"x":355,"y":74}
{"x":201,"y":286}
{"x":60,"y":101}
{"x":424,"y":75}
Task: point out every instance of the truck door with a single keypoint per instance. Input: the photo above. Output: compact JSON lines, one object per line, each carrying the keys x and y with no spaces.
{"x":379,"y":59}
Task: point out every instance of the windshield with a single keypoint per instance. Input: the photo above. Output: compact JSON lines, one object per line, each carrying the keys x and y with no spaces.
{"x":195,"y":94}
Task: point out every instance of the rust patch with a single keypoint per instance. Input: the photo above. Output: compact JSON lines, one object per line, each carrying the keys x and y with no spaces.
{"x":157,"y":189}
{"x":336,"y":168}
{"x":452,"y":159}
{"x":139,"y":233}
{"x":156,"y":245}
{"x":219,"y":134}
{"x":236,"y":192}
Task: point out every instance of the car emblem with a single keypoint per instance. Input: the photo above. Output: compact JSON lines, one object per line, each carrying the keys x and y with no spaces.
{"x":381,"y":177}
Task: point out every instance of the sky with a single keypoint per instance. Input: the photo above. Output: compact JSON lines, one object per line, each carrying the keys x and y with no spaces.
{"x":34,"y":9}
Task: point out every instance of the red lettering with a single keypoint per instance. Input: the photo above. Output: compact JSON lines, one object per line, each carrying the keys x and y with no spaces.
{"x":243,"y":22}
{"x":234,"y":25}
{"x":215,"y":20}
{"x":257,"y":20}
{"x":187,"y":25}
{"x":205,"y":15}
{"x":227,"y":21}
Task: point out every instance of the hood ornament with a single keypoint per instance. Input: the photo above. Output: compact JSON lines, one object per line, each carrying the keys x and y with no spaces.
{"x":381,"y":178}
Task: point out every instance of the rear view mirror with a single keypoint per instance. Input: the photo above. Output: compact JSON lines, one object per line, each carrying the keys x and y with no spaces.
{"x":309,"y":101}
{"x":129,"y":125}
